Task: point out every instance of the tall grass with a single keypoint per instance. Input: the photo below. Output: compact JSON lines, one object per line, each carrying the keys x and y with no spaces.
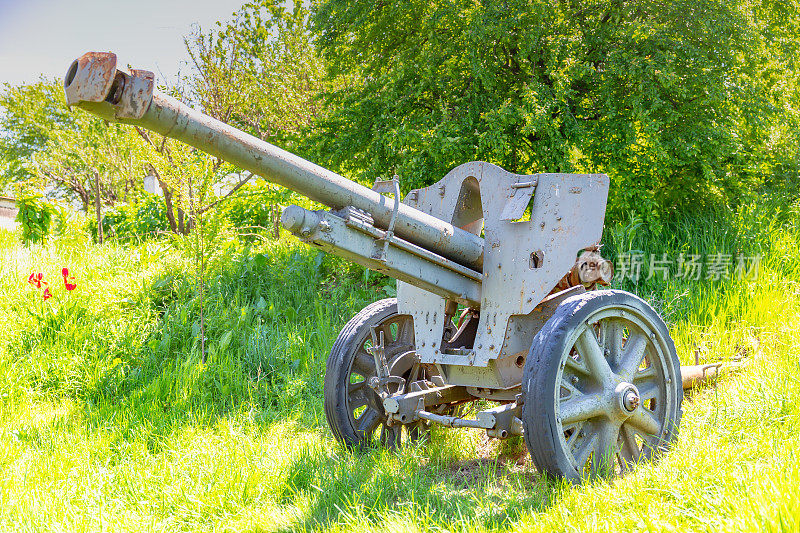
{"x":110,"y":421}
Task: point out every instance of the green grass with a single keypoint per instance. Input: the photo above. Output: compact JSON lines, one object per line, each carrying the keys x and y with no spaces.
{"x":110,"y":421}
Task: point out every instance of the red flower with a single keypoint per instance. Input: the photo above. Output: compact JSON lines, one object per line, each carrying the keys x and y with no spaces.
{"x":46,"y":294}
{"x":37,"y":280}
{"x":67,"y":285}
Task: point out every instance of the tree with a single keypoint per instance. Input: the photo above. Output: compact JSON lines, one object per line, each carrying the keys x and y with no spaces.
{"x":46,"y":145}
{"x":260,"y":72}
{"x":679,"y":102}
{"x":27,"y":116}
{"x":81,"y":157}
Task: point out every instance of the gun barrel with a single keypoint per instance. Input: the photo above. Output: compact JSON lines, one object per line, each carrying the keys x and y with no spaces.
{"x":94,"y":83}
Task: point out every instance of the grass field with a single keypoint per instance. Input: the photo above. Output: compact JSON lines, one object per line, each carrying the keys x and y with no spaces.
{"x":109,"y":421}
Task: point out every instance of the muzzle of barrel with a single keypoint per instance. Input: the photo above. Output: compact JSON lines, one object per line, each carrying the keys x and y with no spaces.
{"x":94,"y":83}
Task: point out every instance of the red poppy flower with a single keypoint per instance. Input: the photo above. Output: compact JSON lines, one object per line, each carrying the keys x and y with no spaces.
{"x":37,"y":280}
{"x":67,"y":285}
{"x":46,"y":294}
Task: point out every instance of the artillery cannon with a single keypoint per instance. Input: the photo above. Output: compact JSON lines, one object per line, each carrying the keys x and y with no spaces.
{"x":491,"y":303}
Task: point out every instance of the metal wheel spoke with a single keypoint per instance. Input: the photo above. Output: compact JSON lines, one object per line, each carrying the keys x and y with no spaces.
{"x":606,"y":447}
{"x":405,"y":332}
{"x":386,"y":329}
{"x":368,"y":421}
{"x":645,"y":373}
{"x":592,"y":353}
{"x":630,"y":448}
{"x":648,"y":390}
{"x":579,"y":409}
{"x":353,"y":387}
{"x":356,"y":399}
{"x":612,"y":339}
{"x":577,"y":365}
{"x":645,"y":421}
{"x":364,"y":364}
{"x":571,"y":388}
{"x":632,"y":355}
{"x":576,"y":430}
{"x":586,"y":447}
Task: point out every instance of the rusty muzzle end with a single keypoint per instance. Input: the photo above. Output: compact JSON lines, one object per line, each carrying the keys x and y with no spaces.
{"x":94,"y":83}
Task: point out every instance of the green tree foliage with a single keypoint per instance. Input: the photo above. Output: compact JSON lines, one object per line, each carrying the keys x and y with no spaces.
{"x":44,"y":144}
{"x":684,"y":104}
{"x":131,"y":222}
{"x":27,"y":114}
{"x":260,"y":72}
{"x":34,"y":217}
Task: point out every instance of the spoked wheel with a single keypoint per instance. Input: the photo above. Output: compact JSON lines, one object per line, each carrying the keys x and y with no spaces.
{"x":602,"y":388}
{"x":354,"y":411}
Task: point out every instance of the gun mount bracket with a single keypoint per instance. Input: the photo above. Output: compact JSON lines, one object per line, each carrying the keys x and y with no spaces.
{"x":391,"y":186}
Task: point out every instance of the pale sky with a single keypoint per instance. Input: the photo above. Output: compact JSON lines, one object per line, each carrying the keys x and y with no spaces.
{"x":44,"y":36}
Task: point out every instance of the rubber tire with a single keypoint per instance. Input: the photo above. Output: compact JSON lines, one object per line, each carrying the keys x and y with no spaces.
{"x":339,"y":362}
{"x":542,"y":366}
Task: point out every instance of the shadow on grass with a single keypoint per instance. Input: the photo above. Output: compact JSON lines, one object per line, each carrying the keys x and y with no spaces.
{"x":370,"y":486}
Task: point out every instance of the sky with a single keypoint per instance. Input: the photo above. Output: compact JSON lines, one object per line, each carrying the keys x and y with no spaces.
{"x":44,"y":36}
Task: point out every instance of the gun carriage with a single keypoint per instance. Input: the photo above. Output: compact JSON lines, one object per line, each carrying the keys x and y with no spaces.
{"x":491,"y":301}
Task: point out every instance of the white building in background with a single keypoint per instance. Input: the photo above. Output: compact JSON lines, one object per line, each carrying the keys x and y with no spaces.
{"x":8,"y":212}
{"x":152,"y":186}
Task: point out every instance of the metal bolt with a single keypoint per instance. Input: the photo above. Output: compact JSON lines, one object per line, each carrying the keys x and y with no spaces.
{"x":631,"y":400}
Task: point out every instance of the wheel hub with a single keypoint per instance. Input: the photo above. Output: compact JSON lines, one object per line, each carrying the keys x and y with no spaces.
{"x":628,"y":399}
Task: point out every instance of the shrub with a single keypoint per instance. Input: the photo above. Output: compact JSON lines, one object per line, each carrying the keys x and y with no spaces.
{"x":35,"y":217}
{"x":134,"y":221}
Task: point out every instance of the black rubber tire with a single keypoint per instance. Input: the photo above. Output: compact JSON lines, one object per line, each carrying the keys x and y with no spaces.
{"x":338,"y":370}
{"x":539,"y":379}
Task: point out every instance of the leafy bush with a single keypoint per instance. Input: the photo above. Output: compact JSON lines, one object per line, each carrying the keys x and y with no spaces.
{"x":35,"y":217}
{"x":134,"y":221}
{"x":253,"y":205}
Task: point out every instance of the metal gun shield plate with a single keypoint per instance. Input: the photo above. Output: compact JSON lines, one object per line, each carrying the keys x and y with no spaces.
{"x":523,"y":259}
